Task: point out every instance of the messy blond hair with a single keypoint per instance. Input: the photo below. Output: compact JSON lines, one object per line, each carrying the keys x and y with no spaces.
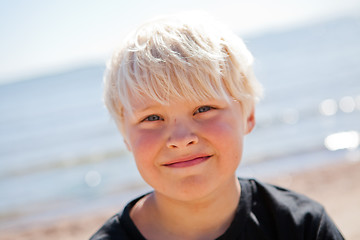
{"x":183,"y":57}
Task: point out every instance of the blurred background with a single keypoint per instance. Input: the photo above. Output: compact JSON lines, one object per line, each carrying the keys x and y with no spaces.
{"x":60,"y":153}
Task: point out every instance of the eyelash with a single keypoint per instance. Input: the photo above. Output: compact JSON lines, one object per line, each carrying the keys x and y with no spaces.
{"x":148,"y":118}
{"x":208,"y":108}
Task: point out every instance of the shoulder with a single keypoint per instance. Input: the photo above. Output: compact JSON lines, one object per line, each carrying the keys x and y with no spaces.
{"x":282,"y":212}
{"x":280,"y":197}
{"x":111,"y":229}
{"x":119,"y":226}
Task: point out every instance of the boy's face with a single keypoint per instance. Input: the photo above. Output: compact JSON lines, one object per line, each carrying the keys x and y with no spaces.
{"x":187,"y":150}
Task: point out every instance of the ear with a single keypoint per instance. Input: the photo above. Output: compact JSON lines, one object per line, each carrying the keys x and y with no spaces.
{"x":250,"y":121}
{"x":127,"y":144}
{"x":120,"y":126}
{"x":125,"y":137}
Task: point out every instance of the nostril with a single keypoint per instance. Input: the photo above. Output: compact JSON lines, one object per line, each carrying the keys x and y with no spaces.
{"x":181,"y":141}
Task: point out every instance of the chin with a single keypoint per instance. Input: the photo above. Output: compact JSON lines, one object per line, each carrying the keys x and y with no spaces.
{"x":193,"y":188}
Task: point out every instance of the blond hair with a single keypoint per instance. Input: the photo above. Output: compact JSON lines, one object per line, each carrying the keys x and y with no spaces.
{"x":181,"y":57}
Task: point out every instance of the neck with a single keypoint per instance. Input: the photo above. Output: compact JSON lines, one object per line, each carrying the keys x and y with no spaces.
{"x":160,"y":217}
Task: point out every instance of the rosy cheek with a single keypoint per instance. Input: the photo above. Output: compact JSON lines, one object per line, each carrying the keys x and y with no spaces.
{"x":218,"y":126}
{"x":144,"y":142}
{"x":220,"y":131}
{"x":223,"y":132}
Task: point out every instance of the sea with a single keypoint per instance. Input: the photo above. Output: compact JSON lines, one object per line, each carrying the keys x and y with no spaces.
{"x":61,"y":153}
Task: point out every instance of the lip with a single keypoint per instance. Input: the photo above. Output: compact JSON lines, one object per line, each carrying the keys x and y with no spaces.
{"x":187,"y":161}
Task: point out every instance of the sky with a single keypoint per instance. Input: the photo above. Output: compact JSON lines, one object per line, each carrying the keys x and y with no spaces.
{"x":41,"y":37}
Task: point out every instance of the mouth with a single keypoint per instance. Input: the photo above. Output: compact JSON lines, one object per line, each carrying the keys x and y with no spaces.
{"x":187,"y":162}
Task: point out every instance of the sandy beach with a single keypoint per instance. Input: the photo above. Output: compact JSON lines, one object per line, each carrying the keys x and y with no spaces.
{"x":335,"y":186}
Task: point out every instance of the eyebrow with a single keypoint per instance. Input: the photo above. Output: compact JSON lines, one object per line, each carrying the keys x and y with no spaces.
{"x":144,"y":109}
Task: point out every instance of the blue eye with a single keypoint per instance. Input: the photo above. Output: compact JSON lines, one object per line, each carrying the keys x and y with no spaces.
{"x":152,"y":118}
{"x":203,"y":109}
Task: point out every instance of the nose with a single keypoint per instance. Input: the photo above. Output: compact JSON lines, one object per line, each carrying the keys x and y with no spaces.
{"x":181,"y":136}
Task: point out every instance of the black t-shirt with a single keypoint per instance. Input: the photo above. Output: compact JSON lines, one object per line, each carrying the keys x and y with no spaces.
{"x":264,"y":212}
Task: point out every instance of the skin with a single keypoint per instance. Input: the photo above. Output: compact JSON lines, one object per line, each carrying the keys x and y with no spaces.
{"x":188,"y":152}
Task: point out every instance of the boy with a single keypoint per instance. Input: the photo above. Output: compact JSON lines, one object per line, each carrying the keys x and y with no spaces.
{"x":182,"y":93}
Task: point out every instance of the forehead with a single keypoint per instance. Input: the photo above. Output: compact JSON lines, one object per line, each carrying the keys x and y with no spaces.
{"x":143,"y":103}
{"x":152,"y":94}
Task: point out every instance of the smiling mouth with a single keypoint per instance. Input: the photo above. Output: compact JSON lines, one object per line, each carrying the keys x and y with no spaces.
{"x":187,"y":163}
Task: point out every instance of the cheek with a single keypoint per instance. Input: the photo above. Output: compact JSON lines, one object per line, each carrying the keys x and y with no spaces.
{"x":222,"y":129}
{"x":227,"y":136}
{"x":143,"y":143}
